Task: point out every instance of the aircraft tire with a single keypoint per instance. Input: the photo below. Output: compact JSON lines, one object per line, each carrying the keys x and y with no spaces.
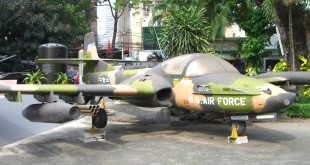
{"x":101,"y":119}
{"x":241,"y":126}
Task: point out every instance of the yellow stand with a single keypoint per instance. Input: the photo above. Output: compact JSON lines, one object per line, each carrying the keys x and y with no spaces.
{"x":234,"y":133}
{"x":93,"y":129}
{"x":234,"y":138}
{"x":102,"y":104}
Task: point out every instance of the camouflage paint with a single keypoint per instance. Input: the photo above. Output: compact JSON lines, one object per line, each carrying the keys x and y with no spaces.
{"x":242,"y":96}
{"x":226,"y":92}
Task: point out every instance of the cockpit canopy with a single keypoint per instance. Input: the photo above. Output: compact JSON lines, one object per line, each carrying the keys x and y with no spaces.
{"x":192,"y":65}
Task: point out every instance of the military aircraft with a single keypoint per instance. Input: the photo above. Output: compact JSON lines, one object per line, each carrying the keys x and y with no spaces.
{"x":198,"y":82}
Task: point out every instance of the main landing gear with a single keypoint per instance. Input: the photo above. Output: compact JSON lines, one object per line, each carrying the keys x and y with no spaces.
{"x":98,"y":113}
{"x":100,"y":118}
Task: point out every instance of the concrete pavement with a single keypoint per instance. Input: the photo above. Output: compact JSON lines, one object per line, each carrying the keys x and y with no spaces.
{"x":190,"y":143}
{"x":13,"y":126}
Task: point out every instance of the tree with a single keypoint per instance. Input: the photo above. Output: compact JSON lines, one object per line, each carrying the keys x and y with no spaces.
{"x":185,"y":26}
{"x":292,"y":18}
{"x":258,"y":30}
{"x":117,"y":10}
{"x":185,"y":31}
{"x":221,"y":17}
{"x":26,"y":24}
{"x":219,"y":13}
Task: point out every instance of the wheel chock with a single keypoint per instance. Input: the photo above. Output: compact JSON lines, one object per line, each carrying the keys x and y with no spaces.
{"x":234,"y":138}
{"x":234,"y":133}
{"x":93,"y":129}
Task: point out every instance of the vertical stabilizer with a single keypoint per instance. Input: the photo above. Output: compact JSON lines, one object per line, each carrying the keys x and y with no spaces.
{"x":92,"y":63}
{"x":90,"y":46}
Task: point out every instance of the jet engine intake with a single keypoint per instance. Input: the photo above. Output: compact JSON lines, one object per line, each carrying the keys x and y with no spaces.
{"x":163,"y":97}
{"x":153,"y":90}
{"x":57,"y":112}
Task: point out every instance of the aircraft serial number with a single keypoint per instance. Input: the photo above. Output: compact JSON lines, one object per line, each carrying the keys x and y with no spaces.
{"x":234,"y":101}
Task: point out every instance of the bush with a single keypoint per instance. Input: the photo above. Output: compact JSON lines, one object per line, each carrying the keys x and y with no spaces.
{"x":300,"y":108}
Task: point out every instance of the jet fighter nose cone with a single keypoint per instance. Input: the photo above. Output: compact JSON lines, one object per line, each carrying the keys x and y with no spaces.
{"x":279,"y":102}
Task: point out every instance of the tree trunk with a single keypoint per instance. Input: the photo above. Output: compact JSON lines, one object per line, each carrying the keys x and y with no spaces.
{"x":306,"y":25}
{"x":301,"y":31}
{"x":291,"y":37}
{"x":114,"y":34}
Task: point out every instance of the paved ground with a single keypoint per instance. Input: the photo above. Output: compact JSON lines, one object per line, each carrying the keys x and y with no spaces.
{"x":13,"y":126}
{"x":195,"y":143}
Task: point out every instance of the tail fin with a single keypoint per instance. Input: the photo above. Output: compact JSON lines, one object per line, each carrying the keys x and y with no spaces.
{"x":90,"y":61}
{"x":90,"y":46}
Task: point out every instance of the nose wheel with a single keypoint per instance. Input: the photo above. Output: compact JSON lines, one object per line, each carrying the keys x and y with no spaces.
{"x":238,"y":126}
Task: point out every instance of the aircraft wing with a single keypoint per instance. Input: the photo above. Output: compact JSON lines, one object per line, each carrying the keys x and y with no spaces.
{"x":144,"y":90}
{"x":93,"y":90}
{"x":296,"y":78}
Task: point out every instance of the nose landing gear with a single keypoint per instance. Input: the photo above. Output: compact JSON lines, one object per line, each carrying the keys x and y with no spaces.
{"x":240,"y":127}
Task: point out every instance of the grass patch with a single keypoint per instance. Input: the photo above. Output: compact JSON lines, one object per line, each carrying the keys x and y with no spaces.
{"x":301,"y":108}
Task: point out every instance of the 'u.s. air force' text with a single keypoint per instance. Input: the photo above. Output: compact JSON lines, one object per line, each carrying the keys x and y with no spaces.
{"x":234,"y":101}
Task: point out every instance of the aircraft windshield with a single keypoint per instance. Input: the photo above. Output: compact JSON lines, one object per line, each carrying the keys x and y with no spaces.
{"x":175,"y":66}
{"x":196,"y":65}
{"x":208,"y":65}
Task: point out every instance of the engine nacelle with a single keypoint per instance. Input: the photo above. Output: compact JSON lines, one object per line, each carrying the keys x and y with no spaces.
{"x":153,"y":90}
{"x":57,"y":112}
{"x":161,"y":98}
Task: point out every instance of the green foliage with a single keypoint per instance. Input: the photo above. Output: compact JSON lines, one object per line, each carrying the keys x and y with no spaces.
{"x":305,"y":66}
{"x":280,"y":66}
{"x":26,"y":24}
{"x":185,"y":31}
{"x":253,"y":52}
{"x":220,"y":18}
{"x":299,"y":110}
{"x":250,"y":71}
{"x":63,"y":78}
{"x":219,"y":13}
{"x":163,"y":9}
{"x":258,"y":30}
{"x":34,"y":77}
{"x":301,"y":107}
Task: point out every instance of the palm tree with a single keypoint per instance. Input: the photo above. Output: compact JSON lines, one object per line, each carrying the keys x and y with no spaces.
{"x":185,"y":30}
{"x":34,"y":77}
{"x":220,"y":18}
{"x":163,"y":9}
